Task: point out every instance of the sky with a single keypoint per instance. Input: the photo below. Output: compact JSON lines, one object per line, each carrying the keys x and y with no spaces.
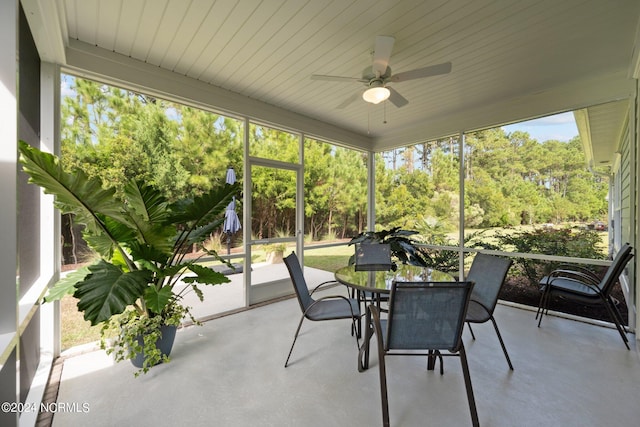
{"x":561,"y":127}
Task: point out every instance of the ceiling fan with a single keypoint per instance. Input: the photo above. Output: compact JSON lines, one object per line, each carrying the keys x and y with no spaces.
{"x":377,"y":77}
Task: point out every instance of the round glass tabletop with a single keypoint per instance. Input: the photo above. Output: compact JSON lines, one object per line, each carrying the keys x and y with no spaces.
{"x":380,"y":281}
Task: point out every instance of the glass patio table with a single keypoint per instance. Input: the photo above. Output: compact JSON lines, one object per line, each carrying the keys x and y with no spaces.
{"x":377,"y":284}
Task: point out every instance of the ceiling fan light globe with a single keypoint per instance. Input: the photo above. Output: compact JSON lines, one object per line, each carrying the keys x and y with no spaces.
{"x":376,"y":95}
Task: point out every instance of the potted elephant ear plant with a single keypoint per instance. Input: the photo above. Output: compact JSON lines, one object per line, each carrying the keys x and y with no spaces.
{"x":138,"y":282}
{"x":403,"y":248}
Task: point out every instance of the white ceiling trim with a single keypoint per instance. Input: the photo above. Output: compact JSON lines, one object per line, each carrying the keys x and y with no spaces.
{"x":96,"y":63}
{"x":46,"y":26}
{"x":572,"y":96}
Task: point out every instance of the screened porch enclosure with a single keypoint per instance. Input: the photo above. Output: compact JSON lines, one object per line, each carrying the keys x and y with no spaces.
{"x":253,"y":62}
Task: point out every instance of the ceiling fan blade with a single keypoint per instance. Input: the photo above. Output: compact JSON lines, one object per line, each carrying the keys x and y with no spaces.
{"x":382,"y":53}
{"x":396,"y":99}
{"x":433,"y":70}
{"x":350,"y":100}
{"x":334,"y":78}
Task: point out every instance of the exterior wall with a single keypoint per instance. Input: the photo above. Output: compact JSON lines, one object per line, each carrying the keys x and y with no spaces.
{"x":622,"y":204}
{"x":26,"y":266}
{"x":634,"y":160}
{"x":8,"y":192}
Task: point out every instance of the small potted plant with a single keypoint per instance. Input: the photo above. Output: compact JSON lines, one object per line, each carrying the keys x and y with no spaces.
{"x":142,"y":241}
{"x":274,"y":252}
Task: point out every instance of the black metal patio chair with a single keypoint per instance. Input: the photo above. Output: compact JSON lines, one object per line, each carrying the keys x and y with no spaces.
{"x":585,"y":288}
{"x":425,"y":318}
{"x":489,"y":273}
{"x":372,"y":257}
{"x":330,"y":307}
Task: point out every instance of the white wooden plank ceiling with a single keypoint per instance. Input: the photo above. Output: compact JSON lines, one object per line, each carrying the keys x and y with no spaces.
{"x":509,"y":58}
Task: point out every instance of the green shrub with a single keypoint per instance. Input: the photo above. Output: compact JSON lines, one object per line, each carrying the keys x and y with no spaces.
{"x":560,"y":242}
{"x":448,"y":261}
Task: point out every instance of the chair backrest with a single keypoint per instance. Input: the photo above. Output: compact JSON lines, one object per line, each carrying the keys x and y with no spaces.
{"x":614,"y":271}
{"x":489,"y":273}
{"x":427,"y":315}
{"x":373,"y":256}
{"x":299,"y":284}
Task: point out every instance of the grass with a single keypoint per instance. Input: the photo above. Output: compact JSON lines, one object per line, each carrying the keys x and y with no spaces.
{"x":75,"y":330}
{"x":328,"y":259}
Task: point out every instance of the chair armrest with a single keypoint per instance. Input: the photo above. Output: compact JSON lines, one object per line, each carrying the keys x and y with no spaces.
{"x":593,"y":287}
{"x":377,"y":327}
{"x":332,"y":297}
{"x":587,"y":279}
{"x":332,"y":282}
{"x":583,"y":270}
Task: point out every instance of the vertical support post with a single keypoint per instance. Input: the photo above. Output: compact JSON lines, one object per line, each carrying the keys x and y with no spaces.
{"x":461,"y":207}
{"x":50,"y":251}
{"x":371,"y":191}
{"x":300,"y":203}
{"x":246,"y":215}
{"x":9,"y":335}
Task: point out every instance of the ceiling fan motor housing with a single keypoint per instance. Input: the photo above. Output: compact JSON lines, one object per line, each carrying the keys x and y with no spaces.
{"x":368,"y":75}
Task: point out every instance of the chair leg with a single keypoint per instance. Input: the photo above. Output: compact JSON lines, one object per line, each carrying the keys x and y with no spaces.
{"x":383,"y":390}
{"x":617,"y":322}
{"x":616,"y":311}
{"x":471,"y":330}
{"x":295,"y":337}
{"x":540,"y":303}
{"x":357,"y":325}
{"x":544,"y":304}
{"x":467,"y":384}
{"x":357,"y":331}
{"x":504,"y":348}
{"x":363,"y":353}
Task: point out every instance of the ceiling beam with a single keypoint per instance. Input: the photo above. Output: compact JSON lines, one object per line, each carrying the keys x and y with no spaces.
{"x":92,"y":62}
{"x":46,"y":26}
{"x":569,"y":97}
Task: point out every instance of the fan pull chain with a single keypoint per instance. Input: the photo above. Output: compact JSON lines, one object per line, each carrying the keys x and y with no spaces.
{"x":384,"y":119}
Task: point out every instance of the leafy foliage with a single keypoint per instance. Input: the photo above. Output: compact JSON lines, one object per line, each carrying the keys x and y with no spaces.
{"x":561,"y":242}
{"x":141,"y":239}
{"x":510,"y":179}
{"x":133,"y":335}
{"x":403,"y":248}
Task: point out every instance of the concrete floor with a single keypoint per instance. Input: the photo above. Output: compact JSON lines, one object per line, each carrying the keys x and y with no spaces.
{"x":229,"y":372}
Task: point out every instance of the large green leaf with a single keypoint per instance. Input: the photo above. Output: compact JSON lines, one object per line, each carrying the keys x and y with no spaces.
{"x":74,"y":193}
{"x":66,"y":285}
{"x":157,"y":300}
{"x":108,"y":291}
{"x":105,"y":241}
{"x":200,"y":211}
{"x":200,"y":234}
{"x":205,"y":276}
{"x":146,"y":201}
{"x":205,"y":208}
{"x":148,"y":213}
{"x":146,"y":254}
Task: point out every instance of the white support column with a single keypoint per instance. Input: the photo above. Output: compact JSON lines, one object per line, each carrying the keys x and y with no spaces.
{"x":246,"y":215}
{"x":634,"y":155}
{"x":50,"y":251}
{"x":9,"y":356}
{"x":461,"y":206}
{"x":300,"y":201}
